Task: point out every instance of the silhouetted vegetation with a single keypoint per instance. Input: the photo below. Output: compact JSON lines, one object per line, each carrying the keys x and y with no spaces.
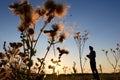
{"x":16,"y":62}
{"x":116,"y":55}
{"x":16,"y":59}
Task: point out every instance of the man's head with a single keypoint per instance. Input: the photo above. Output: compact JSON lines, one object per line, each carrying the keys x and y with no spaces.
{"x":90,"y":47}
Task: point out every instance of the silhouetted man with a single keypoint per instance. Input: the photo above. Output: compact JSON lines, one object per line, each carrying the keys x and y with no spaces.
{"x":92,"y":56}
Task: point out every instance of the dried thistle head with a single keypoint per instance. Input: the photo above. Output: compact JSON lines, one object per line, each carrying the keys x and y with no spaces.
{"x":118,"y":44}
{"x":19,"y":44}
{"x":62,"y":37}
{"x":62,"y":51}
{"x":30,"y":31}
{"x":106,"y":52}
{"x":86,"y":33}
{"x":55,"y":61}
{"x":51,"y":67}
{"x":77,"y":35}
{"x":49,"y":5}
{"x":51,"y":34}
{"x":41,"y":11}
{"x":20,"y":8}
{"x":35,"y":17}
{"x":2,"y":55}
{"x":25,"y":11}
{"x":13,"y":6}
{"x":60,"y":10}
{"x":22,"y":54}
{"x":37,"y":13}
{"x":12,"y":44}
{"x":21,"y":28}
{"x":58,"y":26}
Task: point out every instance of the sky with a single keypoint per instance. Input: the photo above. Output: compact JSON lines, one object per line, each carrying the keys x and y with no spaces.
{"x":100,"y":17}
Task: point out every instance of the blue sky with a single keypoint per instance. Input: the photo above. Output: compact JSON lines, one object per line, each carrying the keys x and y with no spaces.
{"x":100,"y":17}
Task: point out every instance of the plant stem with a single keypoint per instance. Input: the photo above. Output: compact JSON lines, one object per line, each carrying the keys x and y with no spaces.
{"x":39,"y":35}
{"x":42,"y":63}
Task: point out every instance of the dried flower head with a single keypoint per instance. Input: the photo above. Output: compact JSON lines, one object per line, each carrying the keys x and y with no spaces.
{"x":50,"y":6}
{"x":60,"y":10}
{"x":52,"y":34}
{"x":118,"y":45}
{"x":35,"y":17}
{"x":55,"y":61}
{"x":41,"y":11}
{"x":106,"y":52}
{"x":13,"y":45}
{"x":58,"y":26}
{"x":1,"y":55}
{"x":51,"y":67}
{"x":21,"y":28}
{"x":22,"y":54}
{"x":37,"y":13}
{"x":13,"y":6}
{"x":25,"y":11}
{"x":30,"y":31}
{"x":62,"y":37}
{"x":86,"y":32}
{"x":20,"y":7}
{"x":77,"y":35}
{"x":62,"y":51}
{"x":19,"y":44}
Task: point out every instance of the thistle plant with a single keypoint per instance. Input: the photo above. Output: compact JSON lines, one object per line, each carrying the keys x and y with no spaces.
{"x":100,"y":68}
{"x":101,"y":71}
{"x":116,"y":57}
{"x":57,"y":61}
{"x":65,"y":69}
{"x":12,"y":62}
{"x":80,"y":41}
{"x":55,"y":36}
{"x":17,"y":59}
{"x":74,"y":67}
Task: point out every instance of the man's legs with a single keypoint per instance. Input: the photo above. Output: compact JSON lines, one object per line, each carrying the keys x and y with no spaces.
{"x":94,"y":71}
{"x":96,"y":74}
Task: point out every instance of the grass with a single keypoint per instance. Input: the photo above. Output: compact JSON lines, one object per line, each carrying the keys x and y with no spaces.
{"x":104,"y":76}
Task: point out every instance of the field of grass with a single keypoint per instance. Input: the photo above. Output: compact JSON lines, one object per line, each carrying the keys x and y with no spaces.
{"x":104,"y":76}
